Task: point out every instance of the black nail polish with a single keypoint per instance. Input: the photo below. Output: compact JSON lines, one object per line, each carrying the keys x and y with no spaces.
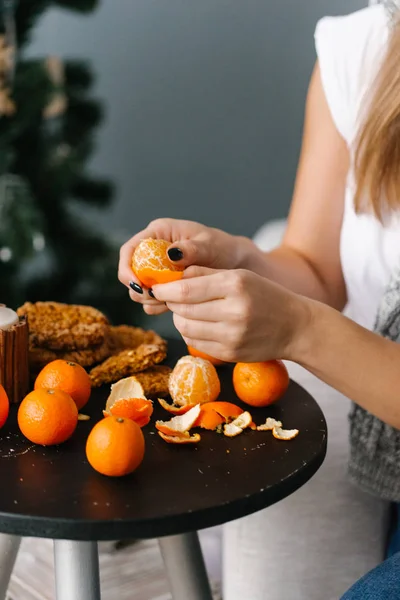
{"x":136,"y":288}
{"x":175,"y":254}
{"x":151,"y":294}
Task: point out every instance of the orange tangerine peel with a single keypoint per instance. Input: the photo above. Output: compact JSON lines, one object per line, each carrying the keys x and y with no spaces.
{"x":238,"y":425}
{"x":269,"y":424}
{"x":284,"y":434}
{"x":127,"y":400}
{"x":209,"y":418}
{"x":180,"y":439}
{"x":136,"y":409}
{"x":180,"y":424}
{"x":172,"y":408}
{"x":227,"y":412}
{"x":151,"y":264}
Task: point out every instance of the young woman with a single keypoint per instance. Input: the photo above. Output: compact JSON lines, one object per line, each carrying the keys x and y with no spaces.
{"x":341,"y":248}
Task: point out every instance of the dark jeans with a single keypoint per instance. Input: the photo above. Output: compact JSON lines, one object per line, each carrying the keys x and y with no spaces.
{"x":383,"y":582}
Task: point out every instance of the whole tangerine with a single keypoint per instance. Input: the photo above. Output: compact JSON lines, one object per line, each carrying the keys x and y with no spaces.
{"x":66,"y":376}
{"x":260,"y":383}
{"x":115,"y":446}
{"x":4,"y":406}
{"x":47,"y":417}
{"x":214,"y":361}
{"x":151,"y":264}
{"x":193,"y":380}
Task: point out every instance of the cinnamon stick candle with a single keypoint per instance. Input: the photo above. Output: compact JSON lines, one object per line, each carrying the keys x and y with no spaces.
{"x":14,"y":366}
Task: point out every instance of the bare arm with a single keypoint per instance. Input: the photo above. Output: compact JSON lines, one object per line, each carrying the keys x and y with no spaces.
{"x":360,"y":364}
{"x":308,"y":260}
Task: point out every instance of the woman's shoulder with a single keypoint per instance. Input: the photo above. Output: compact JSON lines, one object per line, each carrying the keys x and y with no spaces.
{"x":349,"y":50}
{"x":359,"y":25}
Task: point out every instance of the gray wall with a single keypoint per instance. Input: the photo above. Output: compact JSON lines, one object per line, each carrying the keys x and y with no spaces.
{"x":204,"y":102}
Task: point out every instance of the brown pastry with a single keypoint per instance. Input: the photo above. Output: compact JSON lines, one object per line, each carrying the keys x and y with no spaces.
{"x":124,"y":337}
{"x":126,"y":363}
{"x":155,"y":381}
{"x":57,"y":326}
{"x":39,"y":357}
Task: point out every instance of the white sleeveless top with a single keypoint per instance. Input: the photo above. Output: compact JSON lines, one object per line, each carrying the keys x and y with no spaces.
{"x":350,"y":50}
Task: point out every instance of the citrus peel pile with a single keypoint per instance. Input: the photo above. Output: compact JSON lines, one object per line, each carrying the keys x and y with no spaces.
{"x":223,"y":417}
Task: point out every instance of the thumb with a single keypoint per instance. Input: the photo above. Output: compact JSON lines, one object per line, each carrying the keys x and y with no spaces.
{"x":191,"y":252}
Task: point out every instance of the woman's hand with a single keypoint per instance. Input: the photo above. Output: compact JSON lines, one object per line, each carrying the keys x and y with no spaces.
{"x":191,"y":244}
{"x":235,"y":315}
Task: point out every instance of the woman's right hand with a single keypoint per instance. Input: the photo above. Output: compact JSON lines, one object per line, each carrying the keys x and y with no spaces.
{"x":191,"y":244}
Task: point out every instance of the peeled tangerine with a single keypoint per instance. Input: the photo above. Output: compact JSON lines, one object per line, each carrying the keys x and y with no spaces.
{"x":151,"y":264}
{"x":193,"y":380}
{"x":127,"y":400}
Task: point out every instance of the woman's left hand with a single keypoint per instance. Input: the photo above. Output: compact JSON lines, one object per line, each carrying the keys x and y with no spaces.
{"x":235,"y":315}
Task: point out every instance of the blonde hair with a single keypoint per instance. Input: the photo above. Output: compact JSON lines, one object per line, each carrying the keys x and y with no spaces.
{"x":377,"y":151}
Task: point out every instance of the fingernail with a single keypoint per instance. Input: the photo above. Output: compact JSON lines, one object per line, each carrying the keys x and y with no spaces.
{"x":175,"y":254}
{"x":136,"y":288}
{"x":151,"y":294}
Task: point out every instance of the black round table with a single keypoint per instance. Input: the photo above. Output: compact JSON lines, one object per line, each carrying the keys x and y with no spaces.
{"x":54,"y":493}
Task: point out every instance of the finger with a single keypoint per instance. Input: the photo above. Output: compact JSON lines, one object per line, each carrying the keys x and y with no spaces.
{"x":199,"y":330}
{"x":211,"y":348}
{"x":196,"y":251}
{"x":193,"y":290}
{"x":125,"y":273}
{"x":143,"y":298}
{"x":213,"y":311}
{"x":153,"y":309}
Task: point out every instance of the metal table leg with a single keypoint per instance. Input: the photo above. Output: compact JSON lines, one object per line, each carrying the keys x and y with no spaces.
{"x":9,"y":546}
{"x":76,"y":570}
{"x":185,"y":567}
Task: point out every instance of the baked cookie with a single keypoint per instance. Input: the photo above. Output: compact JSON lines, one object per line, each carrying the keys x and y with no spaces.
{"x":57,"y":326}
{"x":39,"y":357}
{"x":155,"y":381}
{"x":124,"y":337}
{"x":126,"y":363}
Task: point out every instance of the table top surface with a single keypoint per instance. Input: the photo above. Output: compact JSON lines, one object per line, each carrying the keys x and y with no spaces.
{"x":54,"y":493}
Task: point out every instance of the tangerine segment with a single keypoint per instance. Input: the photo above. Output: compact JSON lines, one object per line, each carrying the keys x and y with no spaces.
{"x":115,"y":446}
{"x":214,"y":361}
{"x":4,"y":406}
{"x":151,"y":264}
{"x":136,"y":409}
{"x":175,"y":410}
{"x":180,"y":439}
{"x":194,"y":380}
{"x":47,"y":417}
{"x":180,"y":423}
{"x":66,"y":376}
{"x":261,"y":383}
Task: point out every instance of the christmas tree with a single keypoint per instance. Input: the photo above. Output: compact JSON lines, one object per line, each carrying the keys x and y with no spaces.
{"x":48,"y":119}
